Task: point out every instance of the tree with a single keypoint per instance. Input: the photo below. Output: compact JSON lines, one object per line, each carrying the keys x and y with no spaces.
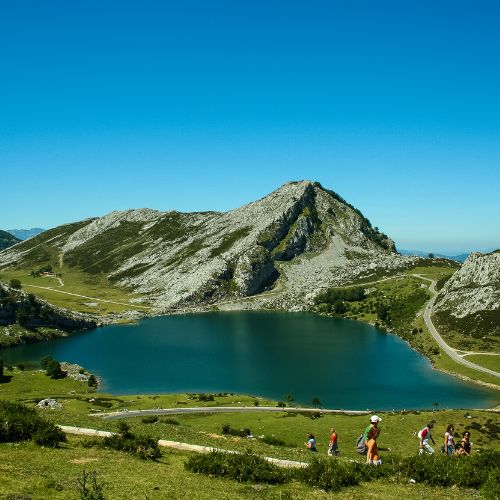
{"x":92,"y":382}
{"x":339,"y":307}
{"x":431,"y":256}
{"x":316,"y":402}
{"x":15,"y":283}
{"x":44,"y":362}
{"x":1,"y":368}
{"x":290,"y":398}
{"x":382,"y":312}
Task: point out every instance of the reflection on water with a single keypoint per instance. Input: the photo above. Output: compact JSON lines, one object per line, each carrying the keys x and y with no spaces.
{"x":345,"y":364}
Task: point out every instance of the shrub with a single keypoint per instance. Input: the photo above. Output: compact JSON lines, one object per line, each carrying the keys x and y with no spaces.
{"x":242,"y":468}
{"x":330,"y":475}
{"x":92,"y":381}
{"x":228,"y":430}
{"x":273,"y":440}
{"x":88,"y":486}
{"x":47,"y":434}
{"x":491,"y":488}
{"x":18,"y":422}
{"x":144,"y":447}
{"x":149,"y":419}
{"x":171,"y":421}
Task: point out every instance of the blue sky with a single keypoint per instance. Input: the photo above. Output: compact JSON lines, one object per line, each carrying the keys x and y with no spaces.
{"x":200,"y":105}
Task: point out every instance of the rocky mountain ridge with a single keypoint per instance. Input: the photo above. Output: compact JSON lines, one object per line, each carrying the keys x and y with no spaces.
{"x":296,"y":240}
{"x":470,"y":300}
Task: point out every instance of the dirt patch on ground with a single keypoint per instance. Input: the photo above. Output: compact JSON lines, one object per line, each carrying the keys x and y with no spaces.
{"x":83,"y":460}
{"x":212,"y":435}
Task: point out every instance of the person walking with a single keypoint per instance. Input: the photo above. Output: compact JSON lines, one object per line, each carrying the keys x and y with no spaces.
{"x":311,"y":442}
{"x":425,"y":436}
{"x":333,"y":446}
{"x":449,"y":443}
{"x":371,"y":434}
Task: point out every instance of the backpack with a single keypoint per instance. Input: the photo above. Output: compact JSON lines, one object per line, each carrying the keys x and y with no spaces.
{"x":360,"y":445}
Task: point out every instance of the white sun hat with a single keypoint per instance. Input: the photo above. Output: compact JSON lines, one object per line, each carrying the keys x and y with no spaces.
{"x":375,"y":418}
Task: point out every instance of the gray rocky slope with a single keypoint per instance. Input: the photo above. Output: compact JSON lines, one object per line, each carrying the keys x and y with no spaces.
{"x":297,"y":240}
{"x":470,"y":299}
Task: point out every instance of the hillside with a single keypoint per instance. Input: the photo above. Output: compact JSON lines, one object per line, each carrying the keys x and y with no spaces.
{"x":296,"y":240}
{"x":25,"y":318}
{"x":467,"y":309}
{"x":7,"y":240}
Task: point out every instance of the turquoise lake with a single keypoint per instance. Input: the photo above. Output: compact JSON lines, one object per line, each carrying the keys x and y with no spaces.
{"x":345,"y":364}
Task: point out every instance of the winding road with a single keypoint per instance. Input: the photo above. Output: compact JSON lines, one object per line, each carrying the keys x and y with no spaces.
{"x":452,"y":353}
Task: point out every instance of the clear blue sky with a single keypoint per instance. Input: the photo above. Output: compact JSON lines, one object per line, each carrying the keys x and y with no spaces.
{"x":208,"y":105}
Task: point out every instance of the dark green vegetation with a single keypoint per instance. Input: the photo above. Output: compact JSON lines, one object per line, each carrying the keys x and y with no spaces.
{"x":7,"y":240}
{"x":144,"y":447}
{"x":19,"y":422}
{"x":474,"y":332}
{"x":474,"y":472}
{"x":52,"y":367}
{"x":243,"y":468}
{"x":25,"y":318}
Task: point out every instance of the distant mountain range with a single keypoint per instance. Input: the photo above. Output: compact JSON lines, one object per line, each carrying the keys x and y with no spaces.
{"x":24,"y":234}
{"x":419,"y":253}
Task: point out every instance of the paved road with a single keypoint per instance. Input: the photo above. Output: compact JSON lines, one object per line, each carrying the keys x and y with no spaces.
{"x":67,"y":429}
{"x":220,"y":409}
{"x":446,"y":348}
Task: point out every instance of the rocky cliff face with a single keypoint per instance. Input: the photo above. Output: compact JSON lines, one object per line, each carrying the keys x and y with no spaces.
{"x":299,"y":238}
{"x":470,"y":300}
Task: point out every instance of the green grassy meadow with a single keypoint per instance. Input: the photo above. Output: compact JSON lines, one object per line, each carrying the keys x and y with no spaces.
{"x":76,"y":282}
{"x":37,"y":472}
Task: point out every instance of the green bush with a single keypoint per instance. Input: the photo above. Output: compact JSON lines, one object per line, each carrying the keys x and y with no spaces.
{"x":242,"y":468}
{"x":330,"y":475}
{"x":18,"y":422}
{"x":273,"y":440}
{"x":149,"y":419}
{"x":144,"y":447}
{"x":491,"y":488}
{"x":228,"y":430}
{"x":441,"y":470}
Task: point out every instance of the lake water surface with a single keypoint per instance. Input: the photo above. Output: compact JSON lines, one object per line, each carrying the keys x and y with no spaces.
{"x":345,"y":364}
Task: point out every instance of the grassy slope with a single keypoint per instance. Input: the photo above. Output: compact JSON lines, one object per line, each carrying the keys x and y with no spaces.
{"x":42,"y":473}
{"x":75,"y":282}
{"x":47,"y":473}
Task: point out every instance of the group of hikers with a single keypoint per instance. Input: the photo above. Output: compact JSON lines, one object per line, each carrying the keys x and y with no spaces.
{"x":367,"y":443}
{"x":449,"y":446}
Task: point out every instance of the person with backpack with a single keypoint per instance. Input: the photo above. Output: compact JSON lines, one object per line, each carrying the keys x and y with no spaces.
{"x":425,"y":435}
{"x":449,"y":443}
{"x":371,"y":434}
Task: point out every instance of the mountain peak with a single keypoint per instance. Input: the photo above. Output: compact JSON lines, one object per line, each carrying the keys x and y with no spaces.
{"x":296,"y":239}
